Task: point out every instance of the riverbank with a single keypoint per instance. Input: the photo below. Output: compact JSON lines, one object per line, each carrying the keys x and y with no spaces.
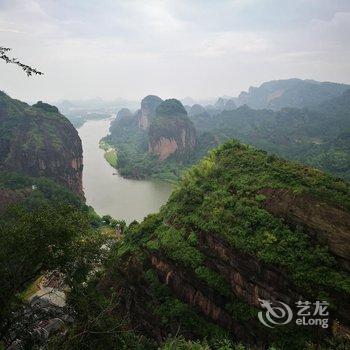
{"x":110,"y":153}
{"x":113,"y":194}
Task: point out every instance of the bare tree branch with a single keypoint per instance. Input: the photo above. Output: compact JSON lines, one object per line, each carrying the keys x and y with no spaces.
{"x":27,"y":69}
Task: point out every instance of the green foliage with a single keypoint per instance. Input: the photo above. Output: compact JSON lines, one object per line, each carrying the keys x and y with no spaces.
{"x":317,"y":137}
{"x":178,"y":247}
{"x":214,"y":280}
{"x":111,"y":157}
{"x":49,"y":229}
{"x":131,"y":143}
{"x":46,"y":107}
{"x":98,"y":326}
{"x":171,"y":108}
{"x":181,"y":343}
{"x":220,"y":196}
{"x":46,"y":191}
{"x":34,"y":241}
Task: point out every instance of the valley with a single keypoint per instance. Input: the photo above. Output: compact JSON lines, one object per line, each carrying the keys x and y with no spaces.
{"x":190,"y":260}
{"x":108,"y":192}
{"x":175,"y":175}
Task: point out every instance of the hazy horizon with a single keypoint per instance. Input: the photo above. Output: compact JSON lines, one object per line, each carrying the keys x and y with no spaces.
{"x":197,"y":49}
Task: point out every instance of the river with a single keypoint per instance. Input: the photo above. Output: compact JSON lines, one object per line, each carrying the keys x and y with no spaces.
{"x":112,"y":194}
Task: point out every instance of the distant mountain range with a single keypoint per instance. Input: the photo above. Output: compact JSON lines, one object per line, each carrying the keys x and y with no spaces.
{"x":296,"y":93}
{"x":242,"y":228}
{"x":301,"y":120}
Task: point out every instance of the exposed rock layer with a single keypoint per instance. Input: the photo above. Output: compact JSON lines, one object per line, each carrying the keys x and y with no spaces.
{"x":39,"y":141}
{"x":321,"y":220}
{"x":171,"y":131}
{"x":148,"y":108}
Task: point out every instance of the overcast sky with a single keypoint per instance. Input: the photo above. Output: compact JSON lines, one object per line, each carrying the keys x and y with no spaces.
{"x":173,"y":48}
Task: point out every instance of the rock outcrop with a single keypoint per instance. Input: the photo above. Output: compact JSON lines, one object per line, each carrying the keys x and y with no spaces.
{"x":148,"y":108}
{"x":242,"y":227}
{"x":171,"y":131}
{"x":38,"y":141}
{"x":320,"y":220}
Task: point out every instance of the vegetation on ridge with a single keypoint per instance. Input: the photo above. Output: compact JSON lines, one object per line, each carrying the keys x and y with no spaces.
{"x":220,"y":196}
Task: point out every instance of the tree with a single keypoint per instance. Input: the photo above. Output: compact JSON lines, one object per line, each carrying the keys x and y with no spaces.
{"x":46,"y":238}
{"x":28,"y":70}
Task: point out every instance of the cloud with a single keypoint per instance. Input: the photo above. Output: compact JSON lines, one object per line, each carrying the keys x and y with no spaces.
{"x":177,"y":48}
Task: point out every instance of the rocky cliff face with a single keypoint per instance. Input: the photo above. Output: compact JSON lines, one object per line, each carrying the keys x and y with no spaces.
{"x":38,"y":141}
{"x":171,"y":131}
{"x":242,"y":226}
{"x":148,"y":108}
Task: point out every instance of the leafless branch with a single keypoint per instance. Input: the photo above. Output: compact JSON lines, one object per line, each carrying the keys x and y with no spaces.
{"x":27,"y":69}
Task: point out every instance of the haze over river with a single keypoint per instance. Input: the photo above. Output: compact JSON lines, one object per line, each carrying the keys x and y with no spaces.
{"x":112,"y":194}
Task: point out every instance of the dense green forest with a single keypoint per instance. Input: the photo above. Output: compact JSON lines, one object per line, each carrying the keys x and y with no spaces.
{"x":161,"y":283}
{"x":43,"y":227}
{"x":216,"y":216}
{"x":132,"y":143}
{"x":240,"y":225}
{"x":49,"y":228}
{"x":318,"y":137}
{"x":39,"y":141}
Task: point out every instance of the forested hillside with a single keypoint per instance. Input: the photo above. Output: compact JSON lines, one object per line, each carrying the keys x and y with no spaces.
{"x":158,"y":141}
{"x":310,"y":124}
{"x":241,"y":226}
{"x":43,"y":227}
{"x":39,"y":141}
{"x":317,"y":137}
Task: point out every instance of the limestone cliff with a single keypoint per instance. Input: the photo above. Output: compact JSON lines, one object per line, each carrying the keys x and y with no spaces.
{"x":38,"y":141}
{"x":148,"y":108}
{"x":171,"y":131}
{"x":242,"y":226}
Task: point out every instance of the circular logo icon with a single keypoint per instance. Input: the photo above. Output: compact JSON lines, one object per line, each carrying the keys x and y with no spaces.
{"x":276,"y":314}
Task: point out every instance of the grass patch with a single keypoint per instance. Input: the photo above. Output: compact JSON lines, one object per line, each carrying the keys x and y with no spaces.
{"x":110,"y":153}
{"x":31,"y":289}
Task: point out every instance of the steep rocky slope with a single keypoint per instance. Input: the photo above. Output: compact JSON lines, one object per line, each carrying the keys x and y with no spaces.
{"x":242,"y":226}
{"x":38,"y":141}
{"x":163,"y":147}
{"x":171,"y":131}
{"x":148,"y":109}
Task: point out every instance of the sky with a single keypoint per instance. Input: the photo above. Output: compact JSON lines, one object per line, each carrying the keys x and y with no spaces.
{"x":176,"y":48}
